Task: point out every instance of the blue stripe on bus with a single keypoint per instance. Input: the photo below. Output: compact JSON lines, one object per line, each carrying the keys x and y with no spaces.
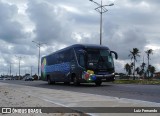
{"x":63,"y":67}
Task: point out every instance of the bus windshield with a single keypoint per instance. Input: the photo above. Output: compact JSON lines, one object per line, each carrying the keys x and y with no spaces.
{"x":99,"y":59}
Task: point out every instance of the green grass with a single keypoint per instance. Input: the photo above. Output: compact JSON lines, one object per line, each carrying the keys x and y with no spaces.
{"x":145,"y":82}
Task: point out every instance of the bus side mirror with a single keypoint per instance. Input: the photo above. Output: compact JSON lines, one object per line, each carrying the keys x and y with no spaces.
{"x":116,"y":55}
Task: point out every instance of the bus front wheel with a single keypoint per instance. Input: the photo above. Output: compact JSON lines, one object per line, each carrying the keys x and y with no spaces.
{"x":75,"y":81}
{"x":98,"y":82}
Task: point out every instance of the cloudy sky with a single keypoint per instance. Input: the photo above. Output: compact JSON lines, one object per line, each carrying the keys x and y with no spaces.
{"x":58,"y":23}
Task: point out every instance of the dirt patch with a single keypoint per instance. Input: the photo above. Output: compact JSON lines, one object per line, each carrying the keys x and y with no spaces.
{"x":13,"y":98}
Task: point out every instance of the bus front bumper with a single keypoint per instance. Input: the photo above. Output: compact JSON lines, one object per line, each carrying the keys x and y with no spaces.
{"x":107,"y":78}
{"x":103,"y":78}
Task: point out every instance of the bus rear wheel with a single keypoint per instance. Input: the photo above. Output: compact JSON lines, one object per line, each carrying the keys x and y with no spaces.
{"x":50,"y":82}
{"x":67,"y":83}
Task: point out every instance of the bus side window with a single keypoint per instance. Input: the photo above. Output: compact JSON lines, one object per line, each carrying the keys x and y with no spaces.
{"x":81,"y":60}
{"x":58,"y":59}
{"x":67,"y":56}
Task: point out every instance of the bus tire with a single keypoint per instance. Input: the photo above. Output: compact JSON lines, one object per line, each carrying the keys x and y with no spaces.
{"x":67,"y":83}
{"x":98,"y":82}
{"x":50,"y":82}
{"x":75,"y":81}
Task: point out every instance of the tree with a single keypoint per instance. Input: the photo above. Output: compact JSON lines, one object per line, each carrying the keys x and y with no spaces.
{"x":133,"y":54}
{"x":128,"y":69}
{"x":143,"y":65}
{"x":131,"y":68}
{"x":148,"y":52}
{"x":137,"y":70}
{"x":152,"y":70}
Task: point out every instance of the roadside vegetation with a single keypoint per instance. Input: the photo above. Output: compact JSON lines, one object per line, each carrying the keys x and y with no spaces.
{"x":144,"y":70}
{"x":145,"y":82}
{"x":142,"y":74}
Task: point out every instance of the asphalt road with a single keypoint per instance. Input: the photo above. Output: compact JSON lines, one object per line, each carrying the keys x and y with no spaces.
{"x":131,"y":91}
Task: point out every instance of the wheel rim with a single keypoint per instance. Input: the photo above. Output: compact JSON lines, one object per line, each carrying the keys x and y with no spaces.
{"x":49,"y":81}
{"x":75,"y":81}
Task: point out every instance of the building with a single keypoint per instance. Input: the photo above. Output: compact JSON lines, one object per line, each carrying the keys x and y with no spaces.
{"x":157,"y":75}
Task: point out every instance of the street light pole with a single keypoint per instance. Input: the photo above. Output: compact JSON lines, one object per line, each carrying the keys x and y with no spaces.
{"x":19,"y":58}
{"x":101,"y":9}
{"x":31,"y":71}
{"x":38,"y":44}
{"x":101,"y":23}
{"x":10,"y":70}
{"x":39,"y":59}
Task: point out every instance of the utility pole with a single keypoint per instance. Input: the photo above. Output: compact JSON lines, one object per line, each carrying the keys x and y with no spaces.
{"x":19,"y":59}
{"x":31,"y":70}
{"x":10,"y":70}
{"x":101,"y":9}
{"x":38,"y":44}
{"x":25,"y":71}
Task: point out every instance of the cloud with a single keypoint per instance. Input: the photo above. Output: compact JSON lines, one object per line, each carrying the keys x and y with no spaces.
{"x":123,"y":40}
{"x":127,"y":24}
{"x":51,"y":22}
{"x":10,"y":30}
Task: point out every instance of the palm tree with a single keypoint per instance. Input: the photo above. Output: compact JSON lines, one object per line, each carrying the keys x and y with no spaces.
{"x":131,"y":67}
{"x":133,"y":54}
{"x":152,"y":70}
{"x":138,"y":70}
{"x":143,"y":65}
{"x":148,"y":52}
{"x":128,"y":68}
